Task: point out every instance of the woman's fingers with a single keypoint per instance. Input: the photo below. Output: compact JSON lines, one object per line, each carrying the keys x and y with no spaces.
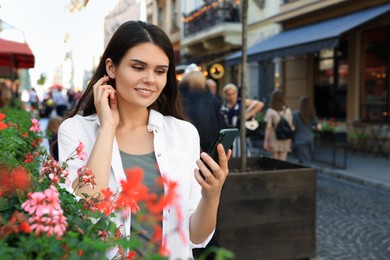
{"x":102,"y":91}
{"x":97,"y":87}
{"x":215,"y":170}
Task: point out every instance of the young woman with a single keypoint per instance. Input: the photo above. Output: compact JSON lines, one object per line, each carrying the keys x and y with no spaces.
{"x":305,"y":121}
{"x":277,"y":108}
{"x":131,"y":115}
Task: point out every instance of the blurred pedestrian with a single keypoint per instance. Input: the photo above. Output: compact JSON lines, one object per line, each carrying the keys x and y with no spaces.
{"x":60,"y":100}
{"x":5,"y":95}
{"x":277,"y":109}
{"x":33,"y":100}
{"x":203,"y":111}
{"x":305,"y":122}
{"x":231,"y":112}
{"x":212,"y":85}
{"x":201,"y":107}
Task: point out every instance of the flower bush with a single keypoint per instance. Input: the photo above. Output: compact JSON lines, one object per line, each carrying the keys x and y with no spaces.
{"x":40,"y":219}
{"x":331,"y":125}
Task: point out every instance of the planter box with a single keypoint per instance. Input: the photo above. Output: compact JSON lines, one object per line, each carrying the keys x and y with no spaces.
{"x":268,"y":213}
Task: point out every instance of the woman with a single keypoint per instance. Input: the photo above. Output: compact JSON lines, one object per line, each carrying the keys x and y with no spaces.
{"x":231,"y":111}
{"x":134,"y":114}
{"x":277,"y":108}
{"x":305,"y":121}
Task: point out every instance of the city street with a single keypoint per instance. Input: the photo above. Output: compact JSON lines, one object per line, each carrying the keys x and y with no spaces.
{"x":353,"y":221}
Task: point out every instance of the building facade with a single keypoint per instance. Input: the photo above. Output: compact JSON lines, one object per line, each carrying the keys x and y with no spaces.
{"x":334,"y":51}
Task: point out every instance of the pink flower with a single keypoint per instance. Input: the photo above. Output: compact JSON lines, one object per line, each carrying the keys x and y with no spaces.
{"x":46,"y":214}
{"x":35,"y":125}
{"x":81,"y":154}
{"x":35,"y":200}
{"x":54,"y":171}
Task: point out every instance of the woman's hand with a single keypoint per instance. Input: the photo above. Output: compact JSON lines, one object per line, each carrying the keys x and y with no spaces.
{"x":106,"y":103}
{"x":266,"y":145}
{"x":214,"y":179}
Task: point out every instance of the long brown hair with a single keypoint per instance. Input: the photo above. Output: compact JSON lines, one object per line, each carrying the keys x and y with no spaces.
{"x":307,"y":110}
{"x":128,"y":35}
{"x":277,"y":100}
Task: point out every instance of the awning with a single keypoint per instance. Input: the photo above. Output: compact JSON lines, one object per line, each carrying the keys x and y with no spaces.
{"x":309,"y":38}
{"x":16,"y":55}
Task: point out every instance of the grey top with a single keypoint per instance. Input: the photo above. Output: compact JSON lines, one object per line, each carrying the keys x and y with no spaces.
{"x":148,"y":163}
{"x":304,"y":133}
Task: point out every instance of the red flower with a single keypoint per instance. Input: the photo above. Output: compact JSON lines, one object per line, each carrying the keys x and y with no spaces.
{"x":106,"y":205}
{"x":25,"y":227}
{"x":3,"y":125}
{"x":169,"y":198}
{"x":29,"y":158}
{"x":21,"y":178}
{"x":133,"y":191}
{"x":13,"y":179}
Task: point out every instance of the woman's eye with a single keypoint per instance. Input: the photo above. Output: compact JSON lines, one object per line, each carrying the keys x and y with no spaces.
{"x":161,"y":71}
{"x":138,"y":68}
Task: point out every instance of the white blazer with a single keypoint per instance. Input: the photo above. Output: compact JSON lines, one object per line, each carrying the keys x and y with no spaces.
{"x":176,"y":145}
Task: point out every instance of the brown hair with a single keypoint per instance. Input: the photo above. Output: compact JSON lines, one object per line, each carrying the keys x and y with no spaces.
{"x":277,"y":100}
{"x":127,"y":36}
{"x":307,"y":110}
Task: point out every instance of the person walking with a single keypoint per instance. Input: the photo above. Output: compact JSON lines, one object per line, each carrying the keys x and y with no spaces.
{"x":212,"y":85}
{"x":201,"y":107}
{"x":131,"y":115}
{"x":231,"y":111}
{"x":34,"y":100}
{"x":305,"y":122}
{"x":277,"y":109}
{"x":60,"y":100}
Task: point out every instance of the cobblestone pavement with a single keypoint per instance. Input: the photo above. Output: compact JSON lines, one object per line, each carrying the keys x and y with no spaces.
{"x":353,"y":221}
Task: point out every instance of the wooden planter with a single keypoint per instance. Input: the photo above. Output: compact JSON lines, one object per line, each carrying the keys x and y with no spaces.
{"x":269,"y":213}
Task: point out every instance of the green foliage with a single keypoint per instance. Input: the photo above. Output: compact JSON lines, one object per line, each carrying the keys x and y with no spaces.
{"x":42,"y":79}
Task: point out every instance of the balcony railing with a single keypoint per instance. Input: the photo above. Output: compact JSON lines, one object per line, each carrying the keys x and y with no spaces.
{"x":210,"y":15}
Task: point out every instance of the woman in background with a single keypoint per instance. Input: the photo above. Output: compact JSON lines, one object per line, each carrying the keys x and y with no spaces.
{"x":305,"y":121}
{"x":277,"y":108}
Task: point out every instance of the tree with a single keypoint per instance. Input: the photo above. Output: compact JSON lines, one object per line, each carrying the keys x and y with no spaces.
{"x":42,"y":79}
{"x":244,"y":20}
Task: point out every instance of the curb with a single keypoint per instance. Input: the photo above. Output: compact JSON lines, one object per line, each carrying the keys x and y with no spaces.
{"x":366,"y":182}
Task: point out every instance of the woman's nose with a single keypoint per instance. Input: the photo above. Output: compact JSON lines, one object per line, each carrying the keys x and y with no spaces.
{"x":149,"y":77}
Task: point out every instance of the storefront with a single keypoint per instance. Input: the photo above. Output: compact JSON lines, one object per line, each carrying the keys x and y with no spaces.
{"x":341,"y":62}
{"x":13,"y":56}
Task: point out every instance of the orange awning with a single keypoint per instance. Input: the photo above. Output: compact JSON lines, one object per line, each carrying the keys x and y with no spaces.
{"x":16,"y":55}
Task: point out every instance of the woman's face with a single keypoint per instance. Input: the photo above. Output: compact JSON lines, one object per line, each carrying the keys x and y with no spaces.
{"x":231,"y":96}
{"x":141,"y":75}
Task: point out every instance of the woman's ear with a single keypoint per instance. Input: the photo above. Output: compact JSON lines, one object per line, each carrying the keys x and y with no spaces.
{"x":110,"y":68}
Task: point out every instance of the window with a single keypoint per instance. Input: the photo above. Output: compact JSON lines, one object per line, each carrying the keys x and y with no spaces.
{"x":331,"y":80}
{"x":375,"y":99}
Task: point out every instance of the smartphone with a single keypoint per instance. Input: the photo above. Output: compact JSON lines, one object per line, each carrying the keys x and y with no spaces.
{"x":226,"y":137}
